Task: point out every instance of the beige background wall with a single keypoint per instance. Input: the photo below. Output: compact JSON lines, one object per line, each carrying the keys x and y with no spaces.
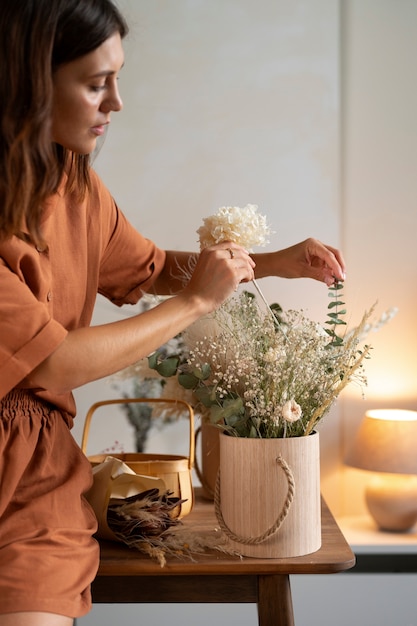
{"x":226,"y":103}
{"x":379,"y":199}
{"x":306,"y":108}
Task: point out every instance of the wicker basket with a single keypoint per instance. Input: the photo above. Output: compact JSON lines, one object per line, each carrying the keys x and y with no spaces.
{"x":174,"y":470}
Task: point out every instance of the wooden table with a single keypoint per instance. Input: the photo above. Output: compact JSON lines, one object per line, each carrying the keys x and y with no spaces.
{"x":126,"y":576}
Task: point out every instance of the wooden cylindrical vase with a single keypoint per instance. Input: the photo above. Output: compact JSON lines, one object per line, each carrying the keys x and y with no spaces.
{"x":268,"y":495}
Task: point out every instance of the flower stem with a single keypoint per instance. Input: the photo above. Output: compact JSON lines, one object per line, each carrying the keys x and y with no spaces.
{"x":259,"y":290}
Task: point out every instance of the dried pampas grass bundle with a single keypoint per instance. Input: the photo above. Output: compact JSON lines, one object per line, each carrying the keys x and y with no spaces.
{"x":146,"y":514}
{"x":145,"y":522}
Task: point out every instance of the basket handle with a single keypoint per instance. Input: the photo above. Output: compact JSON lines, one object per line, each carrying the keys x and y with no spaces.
{"x":96,"y":405}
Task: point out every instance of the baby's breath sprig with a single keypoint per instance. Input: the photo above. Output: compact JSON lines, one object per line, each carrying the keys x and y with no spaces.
{"x":264,"y":374}
{"x":263,"y":378}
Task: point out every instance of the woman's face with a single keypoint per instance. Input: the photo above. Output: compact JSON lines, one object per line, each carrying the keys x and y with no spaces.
{"x":85,"y":94}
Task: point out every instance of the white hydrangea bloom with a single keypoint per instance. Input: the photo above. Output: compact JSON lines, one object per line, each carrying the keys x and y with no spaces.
{"x":245,"y":227}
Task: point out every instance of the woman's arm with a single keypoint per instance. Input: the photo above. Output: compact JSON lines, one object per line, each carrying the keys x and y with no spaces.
{"x":88,"y":354}
{"x":91,"y":353}
{"x":308,"y":259}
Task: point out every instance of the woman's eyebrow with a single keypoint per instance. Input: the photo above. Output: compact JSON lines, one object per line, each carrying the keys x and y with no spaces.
{"x":105,"y":73}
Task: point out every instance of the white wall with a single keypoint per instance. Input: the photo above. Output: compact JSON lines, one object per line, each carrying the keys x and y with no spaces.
{"x":379,"y":200}
{"x":231,"y":101}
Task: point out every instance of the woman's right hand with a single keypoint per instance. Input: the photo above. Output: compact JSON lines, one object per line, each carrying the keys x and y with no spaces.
{"x":218,"y":272}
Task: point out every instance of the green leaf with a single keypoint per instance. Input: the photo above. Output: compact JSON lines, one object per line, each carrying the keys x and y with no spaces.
{"x":206,"y":371}
{"x":168,"y":367}
{"x":333,"y":316}
{"x":215,"y":414}
{"x":232,"y":407}
{"x":202,"y":373}
{"x":206,"y":395}
{"x":188,"y":381}
{"x":337,"y":286}
{"x":334,"y":319}
{"x":336,"y":303}
{"x":153,"y":360}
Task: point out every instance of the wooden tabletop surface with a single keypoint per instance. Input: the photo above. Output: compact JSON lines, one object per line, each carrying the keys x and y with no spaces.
{"x":335,"y":554}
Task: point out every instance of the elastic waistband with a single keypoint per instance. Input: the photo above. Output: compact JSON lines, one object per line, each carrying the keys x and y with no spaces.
{"x":22,"y":401}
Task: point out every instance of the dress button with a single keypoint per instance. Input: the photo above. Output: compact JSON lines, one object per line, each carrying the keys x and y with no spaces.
{"x":49,"y":296}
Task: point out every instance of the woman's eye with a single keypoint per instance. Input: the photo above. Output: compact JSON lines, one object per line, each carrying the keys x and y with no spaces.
{"x":97,"y":88}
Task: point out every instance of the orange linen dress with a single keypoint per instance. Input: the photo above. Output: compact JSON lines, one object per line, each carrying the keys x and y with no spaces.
{"x":48,"y":556}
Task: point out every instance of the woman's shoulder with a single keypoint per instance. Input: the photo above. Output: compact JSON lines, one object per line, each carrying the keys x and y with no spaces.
{"x":97,"y":184}
{"x":100,"y":197}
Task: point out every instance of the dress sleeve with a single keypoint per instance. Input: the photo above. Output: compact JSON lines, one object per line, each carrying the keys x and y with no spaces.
{"x":28,"y":334}
{"x":130,"y":263}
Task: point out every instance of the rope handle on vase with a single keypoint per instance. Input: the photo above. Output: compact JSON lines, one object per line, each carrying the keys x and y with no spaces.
{"x":278,"y":522}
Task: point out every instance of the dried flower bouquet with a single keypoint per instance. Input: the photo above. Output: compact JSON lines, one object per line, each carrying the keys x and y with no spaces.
{"x":265,"y":373}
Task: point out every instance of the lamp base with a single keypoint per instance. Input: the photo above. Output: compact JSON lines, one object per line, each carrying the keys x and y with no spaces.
{"x":392,"y":501}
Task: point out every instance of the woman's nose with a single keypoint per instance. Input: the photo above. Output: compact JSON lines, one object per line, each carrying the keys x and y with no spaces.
{"x":113,"y":102}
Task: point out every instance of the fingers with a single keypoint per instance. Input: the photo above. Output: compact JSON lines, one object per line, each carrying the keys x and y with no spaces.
{"x":339,"y":265}
{"x":327,"y":262}
{"x":235,"y":252}
{"x":220,"y":270}
{"x":242,"y":264}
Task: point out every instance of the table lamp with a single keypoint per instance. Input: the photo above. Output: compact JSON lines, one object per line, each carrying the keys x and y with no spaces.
{"x":386,"y":442}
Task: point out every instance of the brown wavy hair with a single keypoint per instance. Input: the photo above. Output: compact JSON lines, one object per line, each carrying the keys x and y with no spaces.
{"x":36,"y":37}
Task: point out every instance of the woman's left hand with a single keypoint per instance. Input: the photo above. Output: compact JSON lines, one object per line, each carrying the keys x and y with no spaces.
{"x":308,"y":259}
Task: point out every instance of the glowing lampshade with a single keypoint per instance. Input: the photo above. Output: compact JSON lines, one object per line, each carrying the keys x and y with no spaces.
{"x":386,"y":442}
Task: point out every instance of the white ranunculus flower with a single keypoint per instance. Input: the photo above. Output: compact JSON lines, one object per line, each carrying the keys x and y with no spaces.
{"x":245,"y":227}
{"x":291,"y":411}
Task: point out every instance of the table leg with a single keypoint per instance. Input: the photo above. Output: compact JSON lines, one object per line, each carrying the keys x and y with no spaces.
{"x":275,"y":601}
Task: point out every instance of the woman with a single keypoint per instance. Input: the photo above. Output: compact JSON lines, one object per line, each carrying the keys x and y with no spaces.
{"x":62,"y":241}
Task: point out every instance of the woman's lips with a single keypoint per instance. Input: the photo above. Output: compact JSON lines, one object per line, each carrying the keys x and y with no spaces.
{"x":98,"y":130}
